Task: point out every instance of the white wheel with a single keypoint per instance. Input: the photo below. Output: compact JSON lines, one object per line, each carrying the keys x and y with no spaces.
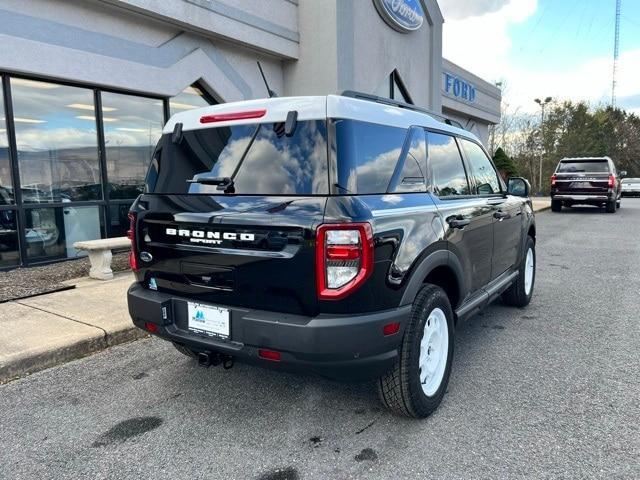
{"x":416,"y":384}
{"x":529,"y":269}
{"x":434,"y":350}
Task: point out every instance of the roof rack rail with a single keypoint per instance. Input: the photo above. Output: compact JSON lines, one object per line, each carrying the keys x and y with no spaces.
{"x":395,"y":103}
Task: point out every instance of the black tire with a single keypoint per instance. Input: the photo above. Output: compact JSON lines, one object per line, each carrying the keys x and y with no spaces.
{"x":184,"y":350}
{"x":556,"y":205}
{"x":611,"y":206}
{"x":400,"y":389}
{"x":516,"y":295}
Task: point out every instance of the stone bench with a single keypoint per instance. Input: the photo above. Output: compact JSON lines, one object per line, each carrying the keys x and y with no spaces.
{"x":100,"y":254}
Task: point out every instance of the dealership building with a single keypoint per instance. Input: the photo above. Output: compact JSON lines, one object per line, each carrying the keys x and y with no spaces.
{"x":88,"y":84}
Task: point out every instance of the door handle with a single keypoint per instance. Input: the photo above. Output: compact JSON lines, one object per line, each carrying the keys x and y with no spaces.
{"x":500,"y":215}
{"x":459,"y":223}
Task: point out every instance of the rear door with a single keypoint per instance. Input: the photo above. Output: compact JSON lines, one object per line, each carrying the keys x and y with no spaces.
{"x":467,"y":219}
{"x":506,"y":211}
{"x":582,"y":177}
{"x":251,"y":245}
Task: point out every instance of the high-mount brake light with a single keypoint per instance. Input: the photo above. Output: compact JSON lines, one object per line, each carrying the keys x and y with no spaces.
{"x":344,"y":258}
{"x":227,"y":117}
{"x":131,"y":235}
{"x":612,"y":180}
{"x":553,"y":180}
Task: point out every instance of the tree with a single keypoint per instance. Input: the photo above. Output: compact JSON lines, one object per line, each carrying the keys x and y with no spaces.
{"x":504,"y":164}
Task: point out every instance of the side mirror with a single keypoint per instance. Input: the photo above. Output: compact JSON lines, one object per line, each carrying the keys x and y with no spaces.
{"x":518,"y":187}
{"x":623,"y":173}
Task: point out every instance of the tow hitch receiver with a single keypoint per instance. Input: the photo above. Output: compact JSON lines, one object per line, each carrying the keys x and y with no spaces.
{"x":206,"y":359}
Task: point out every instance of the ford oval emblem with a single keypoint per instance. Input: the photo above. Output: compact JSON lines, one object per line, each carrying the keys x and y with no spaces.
{"x":146,"y":256}
{"x":402,"y":15}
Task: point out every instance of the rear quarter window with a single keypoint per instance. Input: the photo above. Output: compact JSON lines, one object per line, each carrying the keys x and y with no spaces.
{"x":366,"y":155}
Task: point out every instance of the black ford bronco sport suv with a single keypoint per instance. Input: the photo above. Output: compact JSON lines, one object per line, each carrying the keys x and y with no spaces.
{"x":586,"y":181}
{"x":344,"y":235}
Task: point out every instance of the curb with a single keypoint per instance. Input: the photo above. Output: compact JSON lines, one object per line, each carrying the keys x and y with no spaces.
{"x":33,"y":362}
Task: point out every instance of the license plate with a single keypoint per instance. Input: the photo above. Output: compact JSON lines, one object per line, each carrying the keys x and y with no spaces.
{"x":208,"y":320}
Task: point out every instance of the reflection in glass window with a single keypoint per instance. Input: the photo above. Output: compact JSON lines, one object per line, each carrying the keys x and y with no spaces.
{"x":274,"y":163}
{"x":51,"y":232}
{"x":9,"y":253}
{"x":6,"y":188}
{"x":367,"y":155}
{"x":57,"y":142}
{"x":132,"y":127}
{"x":447,"y":169}
{"x":412,"y":177}
{"x":190,"y":98}
{"x":482,"y":170}
{"x":119,"y":219}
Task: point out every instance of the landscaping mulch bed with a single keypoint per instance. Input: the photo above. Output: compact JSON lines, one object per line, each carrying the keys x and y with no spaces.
{"x":26,"y":282}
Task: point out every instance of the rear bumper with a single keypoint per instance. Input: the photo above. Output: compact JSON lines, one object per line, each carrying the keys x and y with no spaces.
{"x":586,"y":198}
{"x":344,"y":347}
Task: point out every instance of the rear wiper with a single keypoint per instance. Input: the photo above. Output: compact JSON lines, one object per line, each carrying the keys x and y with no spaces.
{"x":223,"y":183}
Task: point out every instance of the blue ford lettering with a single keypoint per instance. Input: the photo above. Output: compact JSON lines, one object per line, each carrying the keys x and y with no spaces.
{"x":459,"y":88}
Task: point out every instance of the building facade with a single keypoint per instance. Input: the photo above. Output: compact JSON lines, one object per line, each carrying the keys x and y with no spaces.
{"x":88,"y":84}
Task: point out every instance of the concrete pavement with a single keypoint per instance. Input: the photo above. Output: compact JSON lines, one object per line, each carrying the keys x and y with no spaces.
{"x":47,"y":330}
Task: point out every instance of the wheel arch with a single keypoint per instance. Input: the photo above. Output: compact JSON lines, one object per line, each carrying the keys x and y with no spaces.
{"x":441,"y":268}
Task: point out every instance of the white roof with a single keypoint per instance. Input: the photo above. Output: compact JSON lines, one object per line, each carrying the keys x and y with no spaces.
{"x":312,"y":108}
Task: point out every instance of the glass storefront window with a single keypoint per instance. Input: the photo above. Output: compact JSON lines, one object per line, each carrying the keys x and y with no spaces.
{"x":57,"y":142}
{"x":6,"y":183}
{"x":132,"y":127}
{"x":190,"y":98}
{"x":119,"y":219}
{"x":51,"y":232}
{"x":9,"y":249}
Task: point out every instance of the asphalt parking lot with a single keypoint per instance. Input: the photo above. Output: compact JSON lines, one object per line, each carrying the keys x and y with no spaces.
{"x":551,"y":391}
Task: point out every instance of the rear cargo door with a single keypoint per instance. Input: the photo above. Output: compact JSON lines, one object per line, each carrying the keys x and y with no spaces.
{"x":583,"y":177}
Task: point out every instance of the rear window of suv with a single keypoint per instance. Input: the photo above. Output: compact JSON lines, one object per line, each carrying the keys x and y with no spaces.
{"x":273,"y":163}
{"x":580,"y":166}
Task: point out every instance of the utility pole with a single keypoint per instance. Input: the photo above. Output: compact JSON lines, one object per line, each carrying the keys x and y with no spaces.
{"x":543,"y":104}
{"x":616,"y":53}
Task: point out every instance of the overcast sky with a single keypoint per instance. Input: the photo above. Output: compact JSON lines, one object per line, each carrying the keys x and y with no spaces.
{"x":559,"y":48}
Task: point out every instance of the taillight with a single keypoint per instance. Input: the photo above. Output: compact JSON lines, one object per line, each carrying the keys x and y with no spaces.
{"x":553,"y":180}
{"x":131,"y":235}
{"x":344,"y":258}
{"x":612,"y":181}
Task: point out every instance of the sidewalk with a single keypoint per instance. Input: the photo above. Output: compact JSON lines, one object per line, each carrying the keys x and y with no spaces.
{"x":43,"y":331}
{"x":541,"y":203}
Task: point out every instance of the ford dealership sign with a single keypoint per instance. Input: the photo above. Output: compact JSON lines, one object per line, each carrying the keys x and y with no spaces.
{"x":402,"y":15}
{"x":459,"y":88}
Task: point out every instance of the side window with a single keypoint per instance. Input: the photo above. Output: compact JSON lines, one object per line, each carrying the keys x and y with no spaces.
{"x":412,"y":176}
{"x":482,"y":169}
{"x":447,"y":169}
{"x":367,"y":155}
